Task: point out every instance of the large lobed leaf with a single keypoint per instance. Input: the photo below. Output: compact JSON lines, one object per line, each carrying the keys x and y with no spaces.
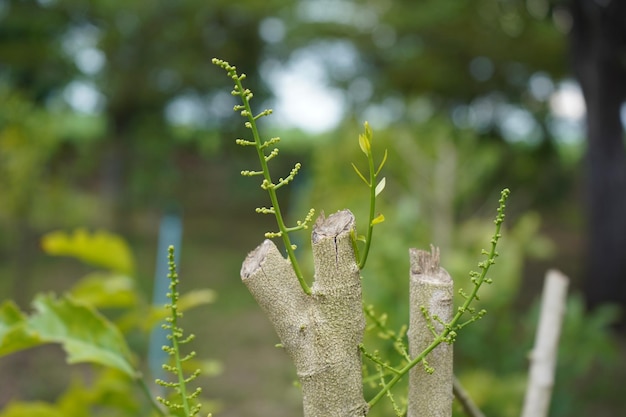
{"x":85,"y":335}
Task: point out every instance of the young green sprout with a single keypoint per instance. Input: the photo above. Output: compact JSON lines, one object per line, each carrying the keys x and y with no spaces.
{"x":375,"y":186}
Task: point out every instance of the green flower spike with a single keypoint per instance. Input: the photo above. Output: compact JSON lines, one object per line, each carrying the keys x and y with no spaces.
{"x":187,"y":403}
{"x":477,"y":279}
{"x":480,"y":278}
{"x":266,"y":156}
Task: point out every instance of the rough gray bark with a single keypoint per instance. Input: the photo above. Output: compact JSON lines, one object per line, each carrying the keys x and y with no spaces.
{"x":320,"y":332}
{"x":430,"y":395}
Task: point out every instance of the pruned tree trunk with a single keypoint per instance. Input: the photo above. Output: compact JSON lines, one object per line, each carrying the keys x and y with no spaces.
{"x":431,"y":287}
{"x":321,"y":332}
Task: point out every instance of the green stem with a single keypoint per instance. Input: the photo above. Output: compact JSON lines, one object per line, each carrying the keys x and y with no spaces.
{"x":398,"y":376}
{"x":370,"y":228}
{"x":182,"y":384}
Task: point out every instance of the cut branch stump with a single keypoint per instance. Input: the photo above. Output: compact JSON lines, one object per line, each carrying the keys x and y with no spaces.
{"x":320,"y":332}
{"x":431,"y":287}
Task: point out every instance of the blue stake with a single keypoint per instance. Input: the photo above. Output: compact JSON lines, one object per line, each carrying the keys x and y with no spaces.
{"x":170,"y":233}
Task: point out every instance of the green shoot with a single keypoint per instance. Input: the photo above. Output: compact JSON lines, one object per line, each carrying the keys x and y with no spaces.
{"x":375,"y":186}
{"x":187,"y":403}
{"x":267,"y":184}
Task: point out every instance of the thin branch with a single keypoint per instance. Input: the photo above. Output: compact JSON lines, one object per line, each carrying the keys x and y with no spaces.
{"x":465,"y":400}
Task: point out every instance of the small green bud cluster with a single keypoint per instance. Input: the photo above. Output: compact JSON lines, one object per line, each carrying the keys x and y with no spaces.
{"x":477,"y":279}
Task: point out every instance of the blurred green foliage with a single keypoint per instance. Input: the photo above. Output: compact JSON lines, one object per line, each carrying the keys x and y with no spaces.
{"x":33,"y":178}
{"x":438,"y":80}
{"x":88,"y":336}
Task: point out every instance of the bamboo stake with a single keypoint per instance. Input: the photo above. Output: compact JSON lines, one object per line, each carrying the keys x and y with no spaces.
{"x":544,"y":354}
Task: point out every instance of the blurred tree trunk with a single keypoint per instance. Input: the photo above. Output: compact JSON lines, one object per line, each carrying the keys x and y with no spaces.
{"x":113,"y":180}
{"x":598,"y":43}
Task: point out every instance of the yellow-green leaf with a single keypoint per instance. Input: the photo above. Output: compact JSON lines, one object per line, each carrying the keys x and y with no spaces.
{"x":13,"y":334}
{"x":360,"y":175}
{"x":382,"y":163}
{"x":10,"y":315}
{"x":364,"y":144}
{"x":106,"y":290}
{"x":31,"y":409}
{"x":378,"y":219}
{"x":100,"y":248}
{"x":196,"y":298}
{"x":368,"y":130}
{"x":186,"y":302}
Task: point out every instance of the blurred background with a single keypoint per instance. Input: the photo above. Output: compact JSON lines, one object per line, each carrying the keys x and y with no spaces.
{"x":112,"y":115}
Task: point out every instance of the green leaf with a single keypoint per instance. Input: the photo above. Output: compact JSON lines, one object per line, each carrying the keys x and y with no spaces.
{"x":379,"y":219}
{"x":13,"y":334}
{"x":86,"y":335}
{"x":186,"y":302}
{"x":382,"y":163}
{"x":10,"y":315}
{"x":360,"y":175}
{"x":364,"y":144}
{"x":380,"y":187}
{"x":368,"y":130}
{"x":106,"y":290}
{"x":31,"y":409}
{"x":101,"y":249}
{"x":196,"y":298}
